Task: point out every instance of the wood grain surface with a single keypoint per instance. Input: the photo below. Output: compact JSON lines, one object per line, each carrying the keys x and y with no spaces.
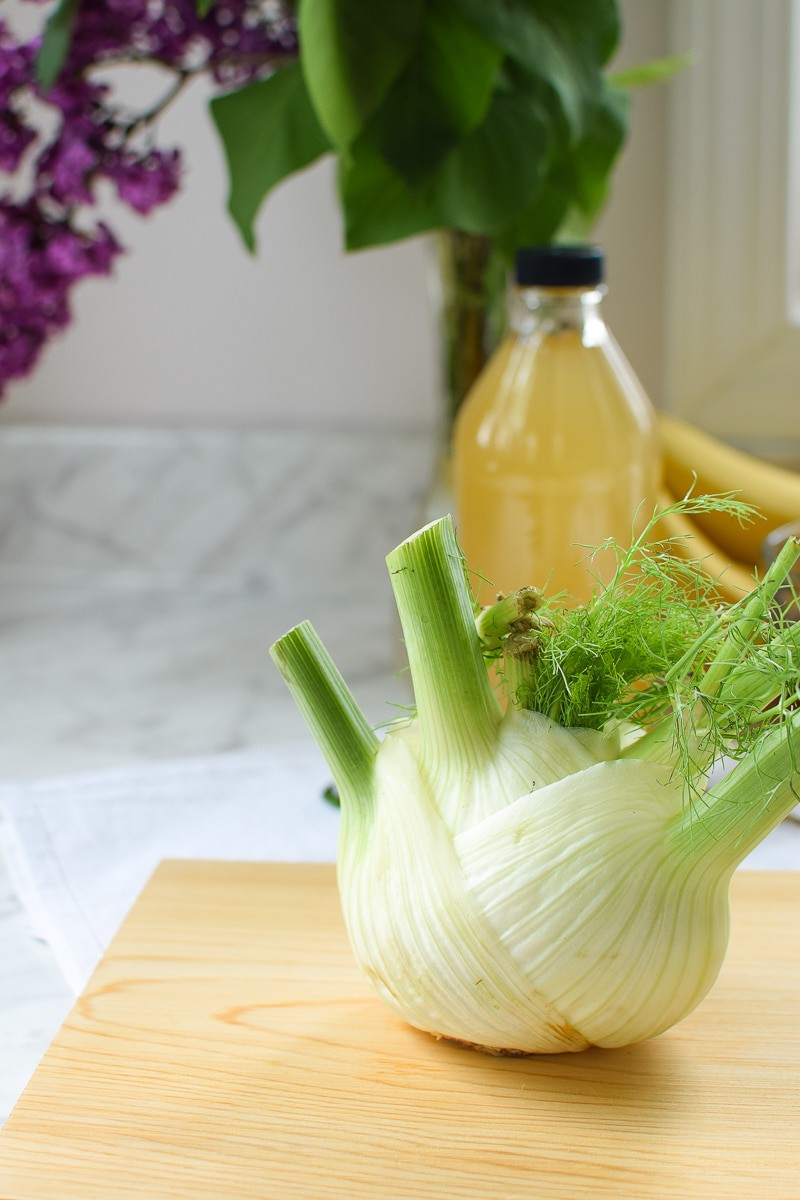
{"x":228,"y":1048}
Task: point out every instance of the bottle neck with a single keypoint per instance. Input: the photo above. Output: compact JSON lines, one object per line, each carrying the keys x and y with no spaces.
{"x":552,"y":311}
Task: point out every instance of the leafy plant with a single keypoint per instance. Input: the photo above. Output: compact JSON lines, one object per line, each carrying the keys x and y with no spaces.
{"x":497,"y":123}
{"x":497,"y":120}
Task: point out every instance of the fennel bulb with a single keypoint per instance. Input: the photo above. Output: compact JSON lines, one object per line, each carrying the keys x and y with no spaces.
{"x":555,"y":876}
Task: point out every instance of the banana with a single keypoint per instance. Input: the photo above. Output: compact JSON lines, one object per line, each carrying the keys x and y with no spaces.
{"x":775,"y":492}
{"x":731,"y":579}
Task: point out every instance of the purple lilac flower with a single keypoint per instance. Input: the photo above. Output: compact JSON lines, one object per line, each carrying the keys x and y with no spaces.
{"x":48,"y":241}
{"x":15,"y":137}
{"x":147,"y":181}
{"x":40,"y":260}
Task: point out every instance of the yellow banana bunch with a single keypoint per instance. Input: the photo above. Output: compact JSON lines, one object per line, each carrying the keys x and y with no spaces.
{"x":775,"y":492}
{"x":730,"y":554}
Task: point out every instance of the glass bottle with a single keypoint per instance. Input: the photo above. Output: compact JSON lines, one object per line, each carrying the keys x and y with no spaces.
{"x":555,"y":447}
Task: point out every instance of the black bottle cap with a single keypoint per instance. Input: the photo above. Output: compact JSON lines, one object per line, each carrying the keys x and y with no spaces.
{"x":559,"y":266}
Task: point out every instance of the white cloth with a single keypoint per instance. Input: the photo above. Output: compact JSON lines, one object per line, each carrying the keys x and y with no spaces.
{"x":80,"y":848}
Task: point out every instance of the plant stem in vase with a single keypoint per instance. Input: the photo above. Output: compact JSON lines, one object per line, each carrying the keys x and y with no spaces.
{"x":471,"y":298}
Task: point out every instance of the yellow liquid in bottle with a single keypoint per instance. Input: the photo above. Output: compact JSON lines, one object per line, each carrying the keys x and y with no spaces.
{"x":555,"y":450}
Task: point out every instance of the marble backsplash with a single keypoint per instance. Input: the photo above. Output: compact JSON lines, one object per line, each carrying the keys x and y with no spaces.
{"x":144,"y":574}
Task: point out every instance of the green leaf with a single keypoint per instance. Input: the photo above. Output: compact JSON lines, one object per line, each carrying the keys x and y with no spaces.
{"x":658,"y":70}
{"x":575,"y":185}
{"x":378,"y":205}
{"x":591,"y":25}
{"x":496,"y":170}
{"x":589,"y":29}
{"x":204,"y":7}
{"x":488,"y":177}
{"x":442,"y":93}
{"x":463,"y":62}
{"x":584,"y":170}
{"x":331,"y":795}
{"x":563,"y":42}
{"x":595,"y":155}
{"x":56,"y":43}
{"x":269,"y":130}
{"x":413,"y":131}
{"x":352,"y":53}
{"x":539,"y":222}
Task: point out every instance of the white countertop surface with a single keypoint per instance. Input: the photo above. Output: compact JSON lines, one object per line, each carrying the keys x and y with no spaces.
{"x":143,"y":576}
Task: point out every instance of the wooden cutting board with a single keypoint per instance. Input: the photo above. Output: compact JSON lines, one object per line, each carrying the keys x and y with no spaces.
{"x":228,"y":1048}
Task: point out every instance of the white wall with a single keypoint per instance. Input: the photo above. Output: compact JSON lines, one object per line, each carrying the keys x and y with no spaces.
{"x":193,"y":331}
{"x":632,"y":228}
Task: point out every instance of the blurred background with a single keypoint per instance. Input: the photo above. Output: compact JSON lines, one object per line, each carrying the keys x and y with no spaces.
{"x":700,"y":232}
